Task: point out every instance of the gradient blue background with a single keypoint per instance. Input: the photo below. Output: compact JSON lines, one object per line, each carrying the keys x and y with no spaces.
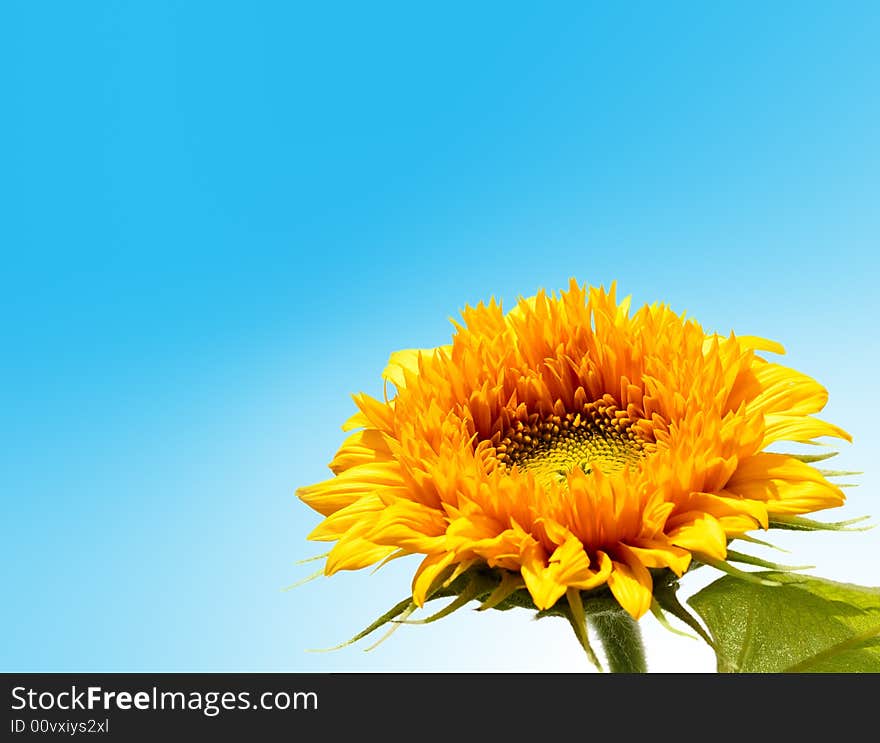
{"x":218,"y":219}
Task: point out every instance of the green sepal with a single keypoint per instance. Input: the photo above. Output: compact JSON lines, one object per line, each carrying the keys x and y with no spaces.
{"x":758,"y":562}
{"x":393,"y":556}
{"x":303,"y":581}
{"x":403,"y":608}
{"x":761,"y":542}
{"x":809,"y":458}
{"x":477,"y":585}
{"x":665,"y":596}
{"x":510,"y":583}
{"x":726,"y":567}
{"x":392,"y":613}
{"x":800,"y":523}
{"x":519,"y":599}
{"x":660,"y":616}
{"x":395,"y":625}
{"x":312,"y":559}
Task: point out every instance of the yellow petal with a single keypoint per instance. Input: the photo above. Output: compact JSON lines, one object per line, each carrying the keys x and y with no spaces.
{"x":541,"y":583}
{"x":787,"y":391}
{"x":399,"y":363}
{"x":784,"y":483}
{"x":362,"y":447}
{"x":406,"y":362}
{"x":756,"y":343}
{"x":778,"y":427}
{"x":338,"y":492}
{"x":593,"y":578}
{"x":653,"y":554}
{"x":379,"y":414}
{"x":353,"y":515}
{"x":728,"y":503}
{"x":734,"y":526}
{"x":631,"y":584}
{"x":358,"y":420}
{"x":354,"y":553}
{"x":698,"y":532}
{"x":431,"y":567}
{"x":746,"y":342}
{"x":409,"y":525}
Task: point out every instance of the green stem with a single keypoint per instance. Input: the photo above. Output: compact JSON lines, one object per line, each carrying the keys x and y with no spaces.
{"x":622,"y":639}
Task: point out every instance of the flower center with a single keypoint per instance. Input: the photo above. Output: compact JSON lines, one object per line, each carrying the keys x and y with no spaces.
{"x":599,"y":436}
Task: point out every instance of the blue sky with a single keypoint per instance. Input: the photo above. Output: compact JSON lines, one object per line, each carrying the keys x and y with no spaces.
{"x":220,"y":218}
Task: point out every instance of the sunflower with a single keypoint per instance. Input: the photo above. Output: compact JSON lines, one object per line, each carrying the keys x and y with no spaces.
{"x":569,"y":447}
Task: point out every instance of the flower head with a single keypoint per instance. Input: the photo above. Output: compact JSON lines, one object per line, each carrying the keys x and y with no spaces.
{"x":569,"y":445}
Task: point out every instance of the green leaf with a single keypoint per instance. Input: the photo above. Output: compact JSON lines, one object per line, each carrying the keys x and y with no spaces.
{"x":805,"y":624}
